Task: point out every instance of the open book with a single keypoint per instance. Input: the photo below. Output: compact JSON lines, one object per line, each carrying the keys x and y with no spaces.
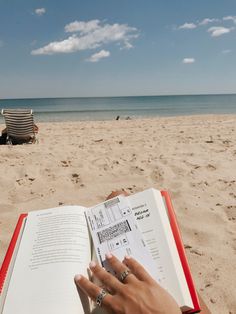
{"x":50,"y":246}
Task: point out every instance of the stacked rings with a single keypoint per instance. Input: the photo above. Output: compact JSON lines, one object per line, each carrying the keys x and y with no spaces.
{"x":123,"y":275}
{"x":100,"y":297}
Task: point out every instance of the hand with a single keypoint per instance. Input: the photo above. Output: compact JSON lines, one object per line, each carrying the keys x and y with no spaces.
{"x":139,"y":293}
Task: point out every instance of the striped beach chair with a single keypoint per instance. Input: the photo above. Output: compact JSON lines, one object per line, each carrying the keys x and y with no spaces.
{"x":20,"y":126}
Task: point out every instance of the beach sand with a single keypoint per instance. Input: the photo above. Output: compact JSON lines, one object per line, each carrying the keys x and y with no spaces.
{"x":82,"y":162}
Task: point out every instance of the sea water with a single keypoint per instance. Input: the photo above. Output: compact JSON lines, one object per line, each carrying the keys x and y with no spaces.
{"x":106,"y":108}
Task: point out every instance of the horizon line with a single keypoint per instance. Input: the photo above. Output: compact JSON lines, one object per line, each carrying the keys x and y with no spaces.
{"x":126,"y":96}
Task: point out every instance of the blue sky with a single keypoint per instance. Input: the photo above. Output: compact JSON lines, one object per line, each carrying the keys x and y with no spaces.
{"x":115,"y":48}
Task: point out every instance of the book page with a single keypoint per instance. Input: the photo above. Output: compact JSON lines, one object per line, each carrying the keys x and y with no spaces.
{"x":114,"y":229}
{"x":54,"y":247}
{"x":150,"y":213}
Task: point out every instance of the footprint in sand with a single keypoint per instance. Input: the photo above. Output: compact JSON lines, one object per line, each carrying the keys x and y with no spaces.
{"x":137,"y":170}
{"x":232,"y":195}
{"x":211,"y":167}
{"x":157,"y":175}
{"x":65,"y":163}
{"x":75,"y":178}
{"x":230,"y":211}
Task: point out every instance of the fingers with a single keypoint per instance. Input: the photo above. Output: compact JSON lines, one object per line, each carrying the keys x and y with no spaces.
{"x":119,"y":268}
{"x":108,"y":280}
{"x":92,"y":290}
{"x":137,"y":269}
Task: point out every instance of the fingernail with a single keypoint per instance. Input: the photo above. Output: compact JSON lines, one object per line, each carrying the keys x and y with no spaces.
{"x":92,"y":264}
{"x":127,"y":257}
{"x":109,"y":255}
{"x":77,"y":278}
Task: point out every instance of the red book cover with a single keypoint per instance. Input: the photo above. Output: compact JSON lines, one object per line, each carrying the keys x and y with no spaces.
{"x":181,"y":251}
{"x":10,"y":251}
{"x":176,"y":234}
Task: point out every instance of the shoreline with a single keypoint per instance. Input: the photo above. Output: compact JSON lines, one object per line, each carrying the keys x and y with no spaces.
{"x":108,"y":108}
{"x":130,"y":118}
{"x":81,"y":162}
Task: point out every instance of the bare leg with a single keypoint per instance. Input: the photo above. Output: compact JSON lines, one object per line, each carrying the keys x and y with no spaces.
{"x":117,"y":193}
{"x":203,"y":306}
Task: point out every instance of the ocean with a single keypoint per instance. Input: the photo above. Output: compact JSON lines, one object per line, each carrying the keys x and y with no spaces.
{"x":107,"y":108}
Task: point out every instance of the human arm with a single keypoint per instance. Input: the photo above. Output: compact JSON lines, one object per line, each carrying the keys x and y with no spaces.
{"x":4,"y":131}
{"x":36,"y":128}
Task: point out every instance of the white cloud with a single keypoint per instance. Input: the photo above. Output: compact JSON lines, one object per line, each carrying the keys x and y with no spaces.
{"x":40,"y":11}
{"x":188,"y":26}
{"x":83,"y":27}
{"x":65,"y":46}
{"x":207,"y":21}
{"x":217,"y":31}
{"x":92,"y":34}
{"x":99,"y":55}
{"x":230,"y":18}
{"x":188,"y":60}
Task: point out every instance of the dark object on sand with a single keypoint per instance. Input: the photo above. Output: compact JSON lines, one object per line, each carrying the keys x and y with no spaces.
{"x":20,"y":127}
{"x":118,"y":118}
{"x":100,"y":140}
{"x":3,"y":139}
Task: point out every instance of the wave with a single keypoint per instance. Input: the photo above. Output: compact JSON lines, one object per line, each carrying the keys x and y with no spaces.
{"x":100,"y":110}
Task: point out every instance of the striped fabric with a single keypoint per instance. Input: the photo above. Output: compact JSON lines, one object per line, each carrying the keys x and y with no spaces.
{"x":19,"y":123}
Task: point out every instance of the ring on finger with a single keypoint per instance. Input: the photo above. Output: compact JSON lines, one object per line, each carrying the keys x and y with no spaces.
{"x":123,"y":275}
{"x":100,"y":297}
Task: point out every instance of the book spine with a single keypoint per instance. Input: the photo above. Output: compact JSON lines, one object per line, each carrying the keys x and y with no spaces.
{"x":181,"y":251}
{"x":10,"y":251}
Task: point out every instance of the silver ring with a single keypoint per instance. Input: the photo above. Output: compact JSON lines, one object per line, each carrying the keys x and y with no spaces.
{"x":100,"y":297}
{"x":123,"y":275}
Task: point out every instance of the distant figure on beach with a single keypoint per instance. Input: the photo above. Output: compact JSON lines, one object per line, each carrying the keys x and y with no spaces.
{"x":127,"y":118}
{"x":132,"y":291}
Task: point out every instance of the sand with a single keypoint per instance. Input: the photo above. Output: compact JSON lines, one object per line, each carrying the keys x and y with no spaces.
{"x":82,"y":162}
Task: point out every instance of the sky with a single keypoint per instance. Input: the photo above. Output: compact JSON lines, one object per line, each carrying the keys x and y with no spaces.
{"x":86,"y":48}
